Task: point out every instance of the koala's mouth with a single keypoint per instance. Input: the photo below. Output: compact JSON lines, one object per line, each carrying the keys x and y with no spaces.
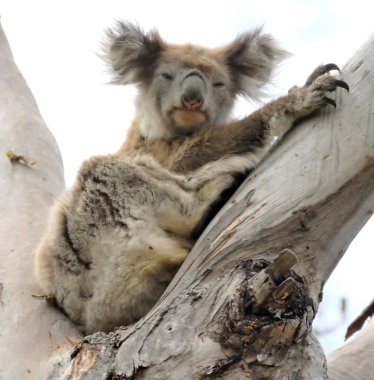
{"x":184,"y":118}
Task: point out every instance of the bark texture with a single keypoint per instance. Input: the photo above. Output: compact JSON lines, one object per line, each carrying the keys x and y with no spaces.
{"x":32,"y":334}
{"x":242,"y":304}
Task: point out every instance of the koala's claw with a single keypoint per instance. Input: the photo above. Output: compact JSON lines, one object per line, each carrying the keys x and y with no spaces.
{"x":338,"y":83}
{"x":320,"y":70}
{"x":330,"y":66}
{"x":328,"y":100}
{"x":342,"y":84}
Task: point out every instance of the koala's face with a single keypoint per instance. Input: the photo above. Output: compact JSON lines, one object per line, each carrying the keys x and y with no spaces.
{"x":190,"y":89}
{"x":183,"y":88}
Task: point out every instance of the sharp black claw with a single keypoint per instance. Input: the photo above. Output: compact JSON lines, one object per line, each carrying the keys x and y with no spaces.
{"x":341,"y":83}
{"x":321,"y":70}
{"x":329,"y":101}
{"x":331,"y":66}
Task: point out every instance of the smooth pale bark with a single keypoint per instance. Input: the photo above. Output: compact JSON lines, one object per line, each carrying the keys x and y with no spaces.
{"x":33,"y":335}
{"x":229,"y":313}
{"x":355,"y":360}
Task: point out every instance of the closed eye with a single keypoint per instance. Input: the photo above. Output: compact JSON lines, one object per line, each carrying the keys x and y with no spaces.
{"x":218,"y":84}
{"x":167,"y":76}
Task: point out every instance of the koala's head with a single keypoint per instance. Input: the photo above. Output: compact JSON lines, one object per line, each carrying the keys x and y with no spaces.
{"x":183,"y":88}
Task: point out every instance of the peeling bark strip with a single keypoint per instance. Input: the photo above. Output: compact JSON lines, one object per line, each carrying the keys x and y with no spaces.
{"x":84,"y":360}
{"x":357,"y":324}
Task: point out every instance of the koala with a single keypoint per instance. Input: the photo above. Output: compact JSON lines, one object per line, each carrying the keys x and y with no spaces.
{"x":116,"y":238}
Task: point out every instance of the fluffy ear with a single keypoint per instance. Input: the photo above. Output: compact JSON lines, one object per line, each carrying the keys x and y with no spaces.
{"x":131,"y":54}
{"x":252,"y":58}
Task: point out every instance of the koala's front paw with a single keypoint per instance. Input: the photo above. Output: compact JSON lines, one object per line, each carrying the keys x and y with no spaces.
{"x":312,"y":96}
{"x":320,"y":81}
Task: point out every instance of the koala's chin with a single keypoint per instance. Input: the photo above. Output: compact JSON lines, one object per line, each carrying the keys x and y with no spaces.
{"x":187,"y":122}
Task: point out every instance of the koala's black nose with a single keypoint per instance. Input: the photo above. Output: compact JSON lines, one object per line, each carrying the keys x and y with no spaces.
{"x":192,"y":92}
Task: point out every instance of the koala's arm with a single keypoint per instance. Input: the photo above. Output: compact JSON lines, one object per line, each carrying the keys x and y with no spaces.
{"x":251,"y":138}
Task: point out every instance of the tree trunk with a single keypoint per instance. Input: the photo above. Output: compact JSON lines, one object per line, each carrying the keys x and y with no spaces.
{"x":32,"y":334}
{"x":242,"y":304}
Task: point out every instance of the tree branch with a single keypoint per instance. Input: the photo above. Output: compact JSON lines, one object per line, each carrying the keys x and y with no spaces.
{"x":354,"y":360}
{"x":32,"y":334}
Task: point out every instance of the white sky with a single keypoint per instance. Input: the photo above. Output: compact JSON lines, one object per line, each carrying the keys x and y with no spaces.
{"x":54,"y":43}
